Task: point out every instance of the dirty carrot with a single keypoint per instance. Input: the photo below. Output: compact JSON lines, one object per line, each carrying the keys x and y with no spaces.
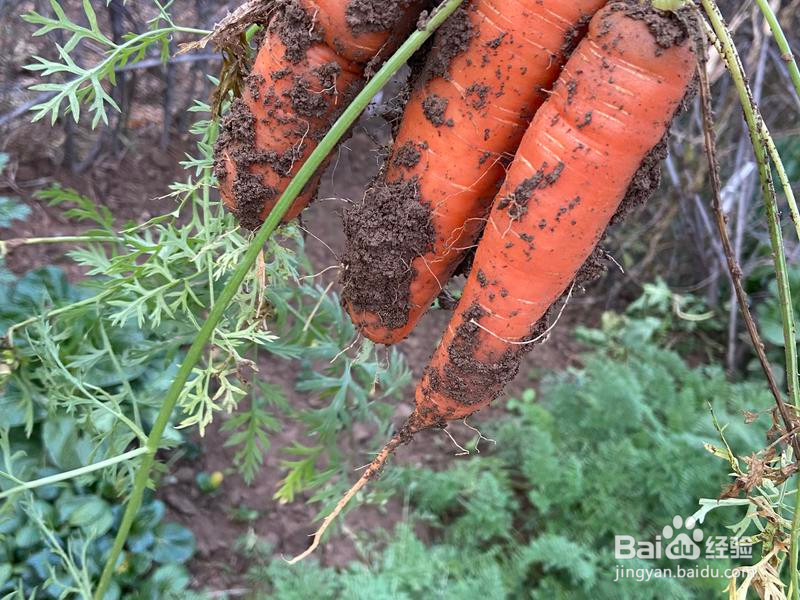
{"x":311,"y":61}
{"x":588,"y":146}
{"x":489,"y":70}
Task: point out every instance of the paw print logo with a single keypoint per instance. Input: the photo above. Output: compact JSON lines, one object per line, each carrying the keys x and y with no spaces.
{"x":683,"y":544}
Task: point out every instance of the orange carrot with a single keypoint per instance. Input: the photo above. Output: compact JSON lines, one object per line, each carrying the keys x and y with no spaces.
{"x":311,"y":60}
{"x":611,"y":106}
{"x":488,"y":72}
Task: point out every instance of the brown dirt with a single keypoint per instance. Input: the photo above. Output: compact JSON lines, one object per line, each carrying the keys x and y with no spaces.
{"x":375,"y":15}
{"x":668,"y":28}
{"x":132,"y":186}
{"x":481,"y":92}
{"x":450,"y":40}
{"x":434,"y":108}
{"x":574,"y":35}
{"x":296,"y":30}
{"x":517,"y":202}
{"x":407,"y":155}
{"x":644,"y":183}
{"x":385,"y":232}
{"x":471,"y":382}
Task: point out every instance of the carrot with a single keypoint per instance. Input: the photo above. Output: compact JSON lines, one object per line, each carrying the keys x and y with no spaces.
{"x":311,"y":60}
{"x":488,"y":72}
{"x":610,"y":107}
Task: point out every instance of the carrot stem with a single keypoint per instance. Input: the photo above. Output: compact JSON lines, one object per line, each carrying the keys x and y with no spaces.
{"x":756,"y":129}
{"x":782,"y":42}
{"x":326,"y":145}
{"x":794,"y":74}
{"x":733,"y":266}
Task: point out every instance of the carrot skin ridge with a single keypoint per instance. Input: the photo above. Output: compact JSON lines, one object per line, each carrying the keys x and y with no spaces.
{"x":612,"y":104}
{"x":457,"y":129}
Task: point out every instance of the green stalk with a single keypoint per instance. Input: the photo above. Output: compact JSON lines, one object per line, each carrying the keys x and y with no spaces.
{"x":756,"y":128}
{"x":328,"y":143}
{"x":775,"y":156}
{"x":32,"y":485}
{"x":794,"y":74}
{"x":55,"y":312}
{"x":7,"y":246}
{"x":782,"y":177}
{"x":783,"y":43}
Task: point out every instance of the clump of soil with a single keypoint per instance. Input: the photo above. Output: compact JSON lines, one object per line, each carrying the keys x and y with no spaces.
{"x":238,"y":126}
{"x":481,"y":91}
{"x":667,"y":27}
{"x":586,"y":120}
{"x":469,"y":381}
{"x":574,"y":35}
{"x":452,"y":39}
{"x":384,"y":233}
{"x":327,"y":74}
{"x":375,"y":15}
{"x":517,"y":201}
{"x":434,"y":107}
{"x":251,"y":196}
{"x":593,"y":269}
{"x":296,"y":30}
{"x":644,"y":183}
{"x":407,"y":155}
{"x":306,"y":102}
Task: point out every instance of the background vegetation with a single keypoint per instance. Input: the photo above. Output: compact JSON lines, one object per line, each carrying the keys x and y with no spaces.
{"x":114,"y":248}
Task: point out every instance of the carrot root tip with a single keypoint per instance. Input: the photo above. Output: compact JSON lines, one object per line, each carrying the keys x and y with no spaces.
{"x":401,"y":437}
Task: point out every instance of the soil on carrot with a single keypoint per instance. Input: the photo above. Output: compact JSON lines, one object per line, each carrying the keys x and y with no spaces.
{"x":644,"y":183}
{"x":295,"y":28}
{"x":574,"y":34}
{"x":407,"y":155}
{"x":668,"y":28}
{"x":385,"y":232}
{"x":434,"y":107}
{"x":516,"y":203}
{"x":469,"y":381}
{"x":236,"y":144}
{"x":375,"y":15}
{"x":451,"y":40}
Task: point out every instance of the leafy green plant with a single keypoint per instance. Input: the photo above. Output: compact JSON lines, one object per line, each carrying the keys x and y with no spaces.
{"x":86,"y":85}
{"x":54,"y":538}
{"x":613,"y":447}
{"x":680,"y":321}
